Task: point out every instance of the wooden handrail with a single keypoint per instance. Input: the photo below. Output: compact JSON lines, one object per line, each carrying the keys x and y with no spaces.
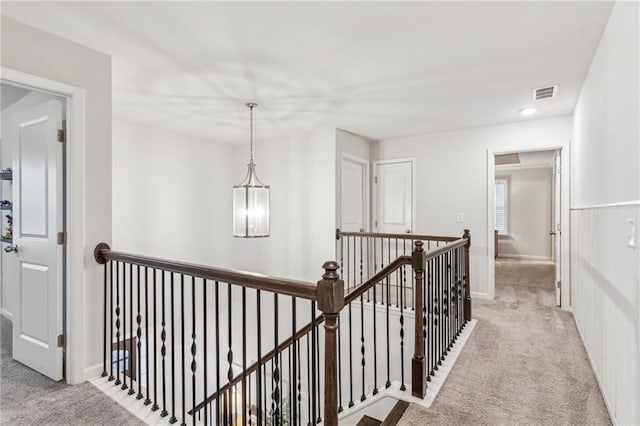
{"x":301,"y":289}
{"x":379,"y":276}
{"x":413,"y":237}
{"x":452,"y":245}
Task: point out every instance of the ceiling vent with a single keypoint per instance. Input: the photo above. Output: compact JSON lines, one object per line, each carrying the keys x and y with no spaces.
{"x":547,"y":92}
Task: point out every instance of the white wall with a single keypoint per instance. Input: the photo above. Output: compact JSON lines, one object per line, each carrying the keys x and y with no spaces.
{"x":172,"y":199}
{"x":605,"y":271}
{"x":172,"y":195}
{"x":529,"y":213}
{"x":452,"y":177}
{"x":300,"y":167}
{"x":36,"y":52}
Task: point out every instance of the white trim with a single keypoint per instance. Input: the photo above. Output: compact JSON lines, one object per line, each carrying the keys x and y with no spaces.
{"x":367,"y":188}
{"x":546,"y":259}
{"x":483,"y":296}
{"x":607,"y":403}
{"x":414,"y":182}
{"x":565,"y":255}
{"x":634,"y":203}
{"x":76,"y":276}
{"x":509,"y":167}
{"x":8,"y":315}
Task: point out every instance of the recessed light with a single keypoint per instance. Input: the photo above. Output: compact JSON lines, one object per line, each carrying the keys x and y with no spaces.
{"x":528,"y":111}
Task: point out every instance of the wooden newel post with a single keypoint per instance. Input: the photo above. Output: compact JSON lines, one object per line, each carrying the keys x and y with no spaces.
{"x":419,"y":362}
{"x":330,"y":297}
{"x":467,"y":289}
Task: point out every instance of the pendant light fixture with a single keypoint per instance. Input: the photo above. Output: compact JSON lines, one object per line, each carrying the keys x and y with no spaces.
{"x":251,"y":199}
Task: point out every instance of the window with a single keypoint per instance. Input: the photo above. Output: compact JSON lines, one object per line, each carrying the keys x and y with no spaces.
{"x":501,"y":206}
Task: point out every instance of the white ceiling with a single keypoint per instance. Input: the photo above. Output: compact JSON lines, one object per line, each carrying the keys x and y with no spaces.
{"x":377,"y":69}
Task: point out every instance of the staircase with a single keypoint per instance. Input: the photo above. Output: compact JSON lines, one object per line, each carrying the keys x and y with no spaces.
{"x":197,"y":344}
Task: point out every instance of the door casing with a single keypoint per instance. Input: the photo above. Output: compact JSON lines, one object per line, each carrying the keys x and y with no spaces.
{"x":565,"y":255}
{"x":76,"y":276}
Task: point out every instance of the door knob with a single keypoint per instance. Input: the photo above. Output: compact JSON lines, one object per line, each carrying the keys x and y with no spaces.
{"x":552,"y":233}
{"x":408,"y":231}
{"x":10,"y":249}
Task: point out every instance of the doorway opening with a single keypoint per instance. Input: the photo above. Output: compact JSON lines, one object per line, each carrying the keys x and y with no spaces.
{"x":33,"y":259}
{"x":526,"y":217}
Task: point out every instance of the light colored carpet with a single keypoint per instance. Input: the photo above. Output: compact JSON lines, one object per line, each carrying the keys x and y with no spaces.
{"x":29,"y":398}
{"x":523,"y":364}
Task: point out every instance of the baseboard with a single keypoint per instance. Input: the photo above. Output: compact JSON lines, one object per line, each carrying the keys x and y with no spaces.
{"x":612,"y":417}
{"x":8,"y":315}
{"x":93,"y":372}
{"x":483,"y":296}
{"x":526,"y":257}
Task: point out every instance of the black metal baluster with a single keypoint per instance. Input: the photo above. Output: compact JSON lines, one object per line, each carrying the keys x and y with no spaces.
{"x":436,"y":312}
{"x":230,"y":352}
{"x":244,"y":356}
{"x":429,"y":331}
{"x":111,"y":320}
{"x":425,"y":290}
{"x":313,"y":362}
{"x":193,"y":348}
{"x":104,"y":325}
{"x":124,"y":325}
{"x":319,"y":382}
{"x":119,"y":355}
{"x":155,"y":406}
{"x":147,"y":400}
{"x":163,"y":350}
{"x":259,"y":370}
{"x":362,"y":349}
{"x":217,"y":301}
{"x":131,"y":347}
{"x":139,"y":335}
{"x":361,"y":263}
{"x":204,"y":347}
{"x":292,"y":365}
{"x":275,"y":396}
{"x":388,"y":384}
{"x":299,"y":417}
{"x":173,"y":418}
{"x":182,"y":350}
{"x":402,"y":386}
{"x":309,"y":379}
{"x":350,"y":358}
{"x":441,"y":318}
{"x":375,"y":330}
{"x":398,"y":279}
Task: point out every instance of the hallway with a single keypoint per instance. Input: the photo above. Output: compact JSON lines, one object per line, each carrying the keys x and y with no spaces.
{"x":523,"y":364}
{"x":29,"y":398}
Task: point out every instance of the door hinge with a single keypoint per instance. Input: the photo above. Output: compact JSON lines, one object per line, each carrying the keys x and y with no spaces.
{"x":375,"y":179}
{"x":62,"y":238}
{"x":62,"y":340}
{"x":62,"y":135}
{"x":376,"y":223}
{"x":559,"y":284}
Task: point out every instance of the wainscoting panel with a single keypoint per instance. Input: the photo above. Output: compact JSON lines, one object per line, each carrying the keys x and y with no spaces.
{"x":605,"y":295}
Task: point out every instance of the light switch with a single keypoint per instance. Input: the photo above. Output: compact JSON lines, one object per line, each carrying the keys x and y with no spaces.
{"x":632,"y":233}
{"x":459,"y":217}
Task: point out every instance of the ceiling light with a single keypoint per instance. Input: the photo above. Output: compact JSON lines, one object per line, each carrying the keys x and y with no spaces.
{"x":251,"y":200}
{"x":528,"y":111}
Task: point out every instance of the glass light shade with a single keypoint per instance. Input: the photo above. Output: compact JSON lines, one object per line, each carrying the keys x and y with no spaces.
{"x":251,"y":207}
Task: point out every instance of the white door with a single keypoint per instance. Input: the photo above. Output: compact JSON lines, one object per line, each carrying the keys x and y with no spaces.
{"x":557,"y":228}
{"x":354,"y":194}
{"x":37,"y":214}
{"x":354,"y":217}
{"x":394,"y":196}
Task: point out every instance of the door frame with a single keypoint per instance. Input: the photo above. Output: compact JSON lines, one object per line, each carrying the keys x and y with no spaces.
{"x":374,"y":210}
{"x":366,"y":190}
{"x":565,"y":237}
{"x":75,"y":220}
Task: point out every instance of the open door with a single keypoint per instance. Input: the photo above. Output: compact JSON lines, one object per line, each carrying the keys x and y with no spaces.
{"x":557,"y":228}
{"x":394,"y":196}
{"x":37,"y":219}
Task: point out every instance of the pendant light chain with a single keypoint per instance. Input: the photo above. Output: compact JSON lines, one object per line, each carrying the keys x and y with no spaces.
{"x":251,"y":106}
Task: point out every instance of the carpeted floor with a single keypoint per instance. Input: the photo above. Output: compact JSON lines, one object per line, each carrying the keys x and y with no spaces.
{"x":29,"y":398}
{"x":523,"y":364}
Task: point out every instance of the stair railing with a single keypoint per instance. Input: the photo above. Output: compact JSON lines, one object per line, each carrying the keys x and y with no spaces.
{"x":190,"y":368}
